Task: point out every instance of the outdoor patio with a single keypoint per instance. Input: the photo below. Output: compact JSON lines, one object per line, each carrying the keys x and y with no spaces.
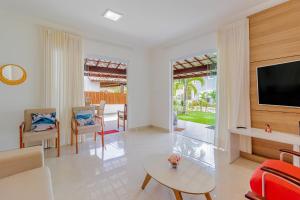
{"x":194,"y":97}
{"x":202,"y":132}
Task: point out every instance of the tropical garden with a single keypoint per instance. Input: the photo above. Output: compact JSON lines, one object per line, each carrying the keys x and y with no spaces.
{"x":190,"y":103}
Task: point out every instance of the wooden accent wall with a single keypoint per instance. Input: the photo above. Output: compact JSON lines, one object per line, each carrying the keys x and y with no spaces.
{"x":110,"y":98}
{"x":274,"y":38}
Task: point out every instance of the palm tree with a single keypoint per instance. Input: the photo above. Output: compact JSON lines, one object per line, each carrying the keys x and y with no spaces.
{"x":203,"y":101}
{"x":213,"y":95}
{"x":188,"y":86}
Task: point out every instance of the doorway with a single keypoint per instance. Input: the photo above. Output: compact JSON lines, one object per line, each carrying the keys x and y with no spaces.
{"x":105,"y":82}
{"x":194,"y":97}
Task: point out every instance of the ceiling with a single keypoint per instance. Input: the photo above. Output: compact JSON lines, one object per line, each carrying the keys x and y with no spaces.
{"x":147,"y":21}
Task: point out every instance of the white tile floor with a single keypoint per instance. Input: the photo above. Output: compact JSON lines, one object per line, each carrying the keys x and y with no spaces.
{"x":116,"y":172}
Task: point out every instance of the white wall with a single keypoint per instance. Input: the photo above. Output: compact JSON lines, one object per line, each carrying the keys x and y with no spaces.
{"x":20,"y":44}
{"x":91,"y":85}
{"x":160,"y":62}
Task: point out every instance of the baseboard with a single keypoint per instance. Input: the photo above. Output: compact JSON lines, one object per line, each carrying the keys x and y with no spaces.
{"x":252,"y":157}
{"x":160,"y":128}
{"x":140,"y":128}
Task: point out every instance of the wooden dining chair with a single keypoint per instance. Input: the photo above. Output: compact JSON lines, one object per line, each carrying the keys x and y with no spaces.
{"x":100,"y":108}
{"x":122,"y":115}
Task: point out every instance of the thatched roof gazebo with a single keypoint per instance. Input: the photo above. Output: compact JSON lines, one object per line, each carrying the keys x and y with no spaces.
{"x":197,"y":66}
{"x":108,"y":73}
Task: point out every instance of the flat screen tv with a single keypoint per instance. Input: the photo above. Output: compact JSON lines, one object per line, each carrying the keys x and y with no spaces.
{"x":279,"y":84}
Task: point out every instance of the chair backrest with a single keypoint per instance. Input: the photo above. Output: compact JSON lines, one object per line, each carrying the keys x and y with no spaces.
{"x":28,"y":117}
{"x":87,"y":101}
{"x":81,"y":108}
{"x":101,"y":108}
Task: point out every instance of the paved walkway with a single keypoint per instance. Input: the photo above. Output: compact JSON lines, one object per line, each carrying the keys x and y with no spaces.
{"x":196,"y":131}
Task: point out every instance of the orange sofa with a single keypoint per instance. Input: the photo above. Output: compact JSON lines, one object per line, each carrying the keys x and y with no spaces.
{"x":276,"y":180}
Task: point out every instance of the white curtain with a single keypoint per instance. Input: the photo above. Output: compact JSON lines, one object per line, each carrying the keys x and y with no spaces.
{"x":233,"y":104}
{"x":63,"y":76}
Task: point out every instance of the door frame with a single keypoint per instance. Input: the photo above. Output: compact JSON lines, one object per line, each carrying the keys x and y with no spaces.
{"x":171,"y":62}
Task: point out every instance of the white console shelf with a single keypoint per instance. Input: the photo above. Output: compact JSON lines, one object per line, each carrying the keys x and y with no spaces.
{"x":275,"y":136}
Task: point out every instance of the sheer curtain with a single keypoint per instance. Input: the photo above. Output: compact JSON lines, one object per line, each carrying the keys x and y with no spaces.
{"x":233,"y":86}
{"x":63,"y":75}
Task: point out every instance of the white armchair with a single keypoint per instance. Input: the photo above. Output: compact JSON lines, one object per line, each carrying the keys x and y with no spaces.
{"x":24,"y":176}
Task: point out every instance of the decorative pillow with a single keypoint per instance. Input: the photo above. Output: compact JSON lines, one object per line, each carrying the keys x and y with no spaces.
{"x":85,"y":118}
{"x":42,"y":122}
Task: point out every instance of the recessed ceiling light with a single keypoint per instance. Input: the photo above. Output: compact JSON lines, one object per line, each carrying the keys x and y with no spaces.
{"x":112,"y":15}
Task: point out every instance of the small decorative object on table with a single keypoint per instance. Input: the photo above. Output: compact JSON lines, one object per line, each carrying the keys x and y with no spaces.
{"x":268,"y":128}
{"x":174,"y":160}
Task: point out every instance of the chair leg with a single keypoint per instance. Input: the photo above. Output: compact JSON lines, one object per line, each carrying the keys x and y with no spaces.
{"x":55,"y":143}
{"x":71,"y":137}
{"x":58,"y":143}
{"x":76,"y":141}
{"x":118,"y":123}
{"x":124,"y":124}
{"x":21,"y":142}
{"x":102,"y":132}
{"x":102,"y":137}
{"x":95,"y":136}
{"x":82,"y":138}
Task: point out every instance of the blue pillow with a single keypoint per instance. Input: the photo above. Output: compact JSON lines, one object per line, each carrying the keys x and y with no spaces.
{"x":85,"y":118}
{"x":42,"y":122}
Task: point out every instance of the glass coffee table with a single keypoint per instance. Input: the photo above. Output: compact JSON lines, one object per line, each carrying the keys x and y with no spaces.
{"x":188,"y":177}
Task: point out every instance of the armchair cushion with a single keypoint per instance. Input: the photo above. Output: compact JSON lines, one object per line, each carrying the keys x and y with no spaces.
{"x":34,"y":184}
{"x":89,"y":129}
{"x":276,"y":188}
{"x":32,"y":136}
{"x":43,"y":122}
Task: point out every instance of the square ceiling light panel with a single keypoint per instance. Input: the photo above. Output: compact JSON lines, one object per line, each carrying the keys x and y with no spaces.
{"x":112,"y":15}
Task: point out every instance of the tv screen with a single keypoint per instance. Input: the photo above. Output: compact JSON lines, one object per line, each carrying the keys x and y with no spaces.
{"x":279,"y":84}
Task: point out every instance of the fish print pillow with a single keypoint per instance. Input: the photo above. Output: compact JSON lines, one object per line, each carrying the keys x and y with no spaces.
{"x":43,"y":122}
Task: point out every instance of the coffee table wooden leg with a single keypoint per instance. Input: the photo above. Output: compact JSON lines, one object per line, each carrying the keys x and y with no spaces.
{"x":146,"y":181}
{"x":178,"y":195}
{"x":207,"y":195}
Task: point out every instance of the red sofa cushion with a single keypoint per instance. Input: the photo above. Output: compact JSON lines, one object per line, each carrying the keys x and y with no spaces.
{"x":276,"y":188}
